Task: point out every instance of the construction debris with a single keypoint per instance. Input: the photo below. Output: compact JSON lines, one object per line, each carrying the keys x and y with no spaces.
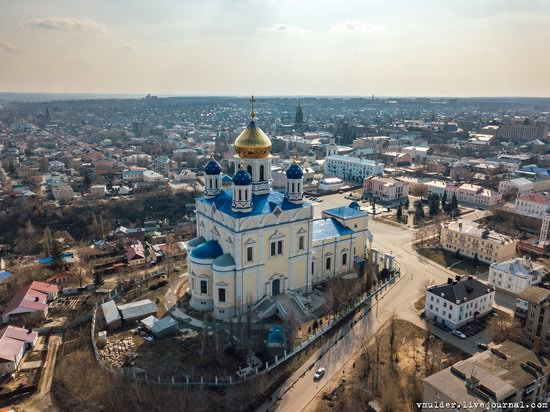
{"x":119,"y":353}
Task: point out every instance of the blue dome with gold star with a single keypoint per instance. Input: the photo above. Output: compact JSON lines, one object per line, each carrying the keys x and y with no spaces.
{"x":294,"y":171}
{"x":212,"y":167}
{"x":242,"y":178}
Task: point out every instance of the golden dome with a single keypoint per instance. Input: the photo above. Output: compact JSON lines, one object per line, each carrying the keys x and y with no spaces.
{"x":252,"y":143}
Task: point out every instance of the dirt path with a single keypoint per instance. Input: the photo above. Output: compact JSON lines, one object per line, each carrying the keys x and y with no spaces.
{"x":42,"y":400}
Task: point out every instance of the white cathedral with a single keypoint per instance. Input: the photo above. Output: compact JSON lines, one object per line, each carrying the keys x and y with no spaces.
{"x":253,"y":242}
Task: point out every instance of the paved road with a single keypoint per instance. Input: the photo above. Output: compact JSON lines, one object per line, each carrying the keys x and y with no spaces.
{"x":300,"y":389}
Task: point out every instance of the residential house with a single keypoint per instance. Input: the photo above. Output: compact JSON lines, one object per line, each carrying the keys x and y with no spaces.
{"x":515,"y":186}
{"x":459,"y":301}
{"x":14,"y":342}
{"x":515,"y":275}
{"x":31,"y":300}
{"x":474,"y":195}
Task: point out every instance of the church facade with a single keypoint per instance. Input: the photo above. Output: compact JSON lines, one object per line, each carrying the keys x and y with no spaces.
{"x":254,"y":242}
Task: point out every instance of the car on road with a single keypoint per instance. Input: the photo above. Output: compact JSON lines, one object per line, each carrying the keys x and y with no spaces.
{"x":459,"y":334}
{"x":483,"y":346}
{"x":319,"y":373}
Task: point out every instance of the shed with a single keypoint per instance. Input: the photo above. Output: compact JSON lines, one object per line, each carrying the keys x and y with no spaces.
{"x":111,"y":315}
{"x":148,"y":322}
{"x":164,"y":327}
{"x":135,"y":311}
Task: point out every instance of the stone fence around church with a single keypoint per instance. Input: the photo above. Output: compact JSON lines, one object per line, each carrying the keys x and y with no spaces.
{"x":188,"y":380}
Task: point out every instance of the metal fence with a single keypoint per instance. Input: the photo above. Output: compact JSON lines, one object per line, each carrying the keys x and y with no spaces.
{"x":188,"y":380}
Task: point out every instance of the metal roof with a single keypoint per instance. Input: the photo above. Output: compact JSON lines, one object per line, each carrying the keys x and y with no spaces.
{"x":141,"y":308}
{"x":329,"y":228}
{"x":110,"y":312}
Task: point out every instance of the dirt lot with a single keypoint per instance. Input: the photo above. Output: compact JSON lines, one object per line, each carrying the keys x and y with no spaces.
{"x":462,"y":266}
{"x":373,"y":375}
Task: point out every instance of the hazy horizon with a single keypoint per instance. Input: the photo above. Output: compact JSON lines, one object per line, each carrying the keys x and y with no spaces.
{"x":485,"y":48}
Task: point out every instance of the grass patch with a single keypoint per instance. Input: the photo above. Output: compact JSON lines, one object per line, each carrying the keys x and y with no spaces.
{"x":462,"y":266}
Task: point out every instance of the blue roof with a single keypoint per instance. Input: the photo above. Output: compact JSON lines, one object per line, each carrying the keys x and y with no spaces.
{"x":355,"y":205}
{"x":212,"y":167}
{"x":294,"y":171}
{"x":226,"y":179}
{"x":275,"y":335}
{"x":261,"y":204}
{"x":5,"y":276}
{"x":208,"y":250}
{"x":242,"y":178}
{"x":329,"y":228}
{"x":345,"y":212}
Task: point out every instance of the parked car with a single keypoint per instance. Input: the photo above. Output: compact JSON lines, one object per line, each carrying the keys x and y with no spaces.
{"x":319,"y":374}
{"x":483,"y":346}
{"x":459,"y":334}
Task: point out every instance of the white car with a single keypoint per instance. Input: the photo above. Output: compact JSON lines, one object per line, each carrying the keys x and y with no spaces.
{"x":459,"y":334}
{"x":319,"y":374}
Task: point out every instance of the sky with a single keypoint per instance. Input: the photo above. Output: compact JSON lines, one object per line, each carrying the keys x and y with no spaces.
{"x":277,"y":47}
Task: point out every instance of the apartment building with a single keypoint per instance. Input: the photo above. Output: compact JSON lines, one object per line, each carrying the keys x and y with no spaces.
{"x":507,"y":373}
{"x":533,"y":307}
{"x":352,"y":169}
{"x":515,"y":275}
{"x":475,"y":195}
{"x":133,"y":175}
{"x":522,"y":132}
{"x":459,"y":301}
{"x":62,"y":193}
{"x":471,"y":239}
{"x":533,"y":205}
{"x":385,"y":189}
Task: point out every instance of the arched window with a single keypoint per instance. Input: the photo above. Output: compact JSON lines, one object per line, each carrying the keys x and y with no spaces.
{"x":216,"y":183}
{"x":293,"y":187}
{"x":249,"y":169}
{"x":261,"y":172}
{"x":240,"y":198}
{"x":246,"y":194}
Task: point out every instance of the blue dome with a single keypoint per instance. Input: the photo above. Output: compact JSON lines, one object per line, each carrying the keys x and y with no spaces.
{"x":212,"y":167}
{"x":294,"y":171}
{"x":242,"y":178}
{"x":208,"y":250}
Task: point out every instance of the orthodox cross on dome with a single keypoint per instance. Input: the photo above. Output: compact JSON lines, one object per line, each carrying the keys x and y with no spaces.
{"x":252,"y":104}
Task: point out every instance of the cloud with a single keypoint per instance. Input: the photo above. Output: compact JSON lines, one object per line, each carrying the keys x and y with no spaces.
{"x":284,"y":27}
{"x":67,"y":24}
{"x":124,"y":47}
{"x":7,"y":47}
{"x":355,"y":26}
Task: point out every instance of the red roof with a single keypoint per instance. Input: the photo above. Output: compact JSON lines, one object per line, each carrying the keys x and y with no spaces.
{"x":534,"y":198}
{"x":12,"y":339}
{"x":33,"y":296}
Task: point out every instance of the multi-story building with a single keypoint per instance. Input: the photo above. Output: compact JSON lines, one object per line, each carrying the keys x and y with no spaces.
{"x":507,"y":373}
{"x":471,"y":239}
{"x":98,"y":191}
{"x":385,"y":189}
{"x":474,"y":195}
{"x":515,"y":186}
{"x":436,"y":187}
{"x":533,"y":307}
{"x":133,"y":175}
{"x":515,"y":275}
{"x":533,"y":205}
{"x":523,"y":132}
{"x":352,"y":169}
{"x":459,"y":301}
